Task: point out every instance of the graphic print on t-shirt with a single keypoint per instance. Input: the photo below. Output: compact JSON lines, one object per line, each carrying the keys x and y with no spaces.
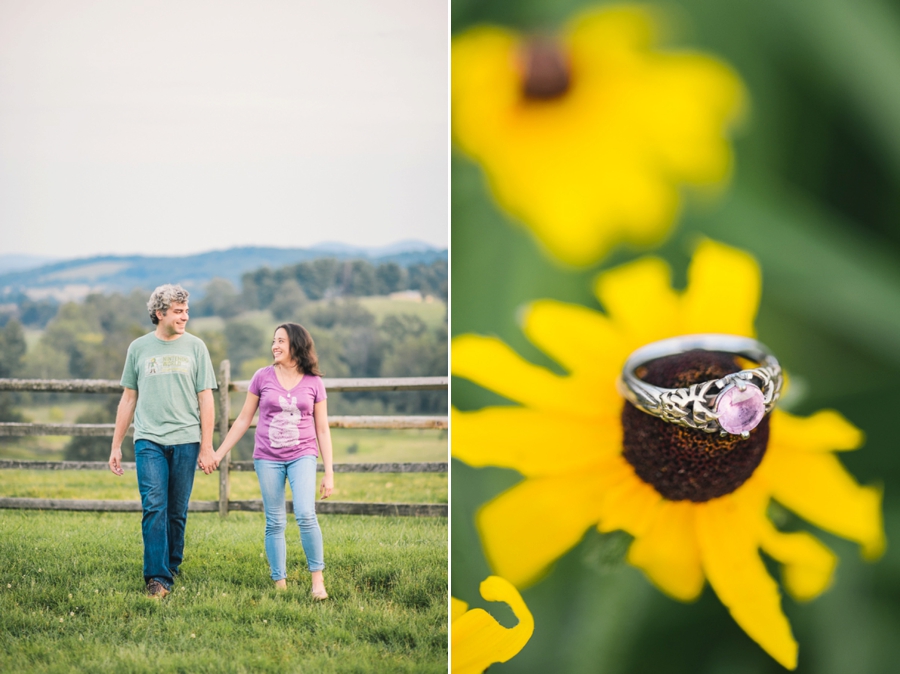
{"x":170,"y":364}
{"x":284,"y":430}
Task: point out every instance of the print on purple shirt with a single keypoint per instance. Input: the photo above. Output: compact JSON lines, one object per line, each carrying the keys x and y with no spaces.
{"x":284,"y":431}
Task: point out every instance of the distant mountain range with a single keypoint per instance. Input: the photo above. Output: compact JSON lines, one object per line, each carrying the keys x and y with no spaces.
{"x":10,"y":263}
{"x":73,"y":279}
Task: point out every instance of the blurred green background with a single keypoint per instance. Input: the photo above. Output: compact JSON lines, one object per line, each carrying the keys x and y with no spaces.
{"x":814,"y":197}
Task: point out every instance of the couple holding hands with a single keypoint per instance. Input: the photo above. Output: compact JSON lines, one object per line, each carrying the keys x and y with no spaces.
{"x":168,"y":382}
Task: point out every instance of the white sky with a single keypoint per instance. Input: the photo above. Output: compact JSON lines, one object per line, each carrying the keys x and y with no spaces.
{"x":180,"y":126}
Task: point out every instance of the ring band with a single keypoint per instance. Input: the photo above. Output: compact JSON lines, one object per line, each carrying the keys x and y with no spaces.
{"x":734,"y":404}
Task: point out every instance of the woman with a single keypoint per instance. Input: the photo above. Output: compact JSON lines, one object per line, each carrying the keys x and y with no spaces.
{"x":293,"y":420}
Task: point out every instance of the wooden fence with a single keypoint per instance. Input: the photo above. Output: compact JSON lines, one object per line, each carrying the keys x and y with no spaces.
{"x":224,"y":422}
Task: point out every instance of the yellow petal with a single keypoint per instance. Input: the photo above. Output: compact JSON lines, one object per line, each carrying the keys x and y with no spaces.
{"x":701,"y":94}
{"x":668,"y":551}
{"x":478,"y":640}
{"x":457,"y":608}
{"x":617,"y":29}
{"x":753,"y":498}
{"x":808,"y":563}
{"x":604,"y":161}
{"x":818,"y":488}
{"x":639,"y":300}
{"x":628,"y":503}
{"x":582,"y":340}
{"x":731,"y":561}
{"x":533,"y":443}
{"x":528,"y":527}
{"x":824,"y":431}
{"x":481,"y":61}
{"x":492,"y":364}
{"x":723,"y":291}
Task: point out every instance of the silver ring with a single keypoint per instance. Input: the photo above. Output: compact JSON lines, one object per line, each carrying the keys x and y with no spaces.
{"x":734,"y":404}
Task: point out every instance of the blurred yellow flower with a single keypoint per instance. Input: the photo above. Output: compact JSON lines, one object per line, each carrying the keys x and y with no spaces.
{"x":586,"y":139}
{"x":567,"y":437}
{"x":477,"y":639}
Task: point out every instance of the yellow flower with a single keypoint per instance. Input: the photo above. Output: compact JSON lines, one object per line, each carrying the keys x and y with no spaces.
{"x":587,"y":140}
{"x":477,"y":639}
{"x":566,"y":437}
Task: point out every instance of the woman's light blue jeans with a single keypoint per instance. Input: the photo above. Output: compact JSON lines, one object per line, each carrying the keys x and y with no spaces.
{"x":301,"y":473}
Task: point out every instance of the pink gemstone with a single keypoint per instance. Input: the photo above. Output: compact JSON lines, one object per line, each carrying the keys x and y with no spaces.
{"x":740,"y":411}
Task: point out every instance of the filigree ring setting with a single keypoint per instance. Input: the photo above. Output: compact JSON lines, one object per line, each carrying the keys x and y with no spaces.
{"x":733,"y":404}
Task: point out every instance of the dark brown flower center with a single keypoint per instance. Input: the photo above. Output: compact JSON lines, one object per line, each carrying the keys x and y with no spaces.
{"x":683,"y":463}
{"x":546,"y":70}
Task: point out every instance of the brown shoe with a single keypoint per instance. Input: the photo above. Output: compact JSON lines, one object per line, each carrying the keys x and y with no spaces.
{"x":156,"y":590}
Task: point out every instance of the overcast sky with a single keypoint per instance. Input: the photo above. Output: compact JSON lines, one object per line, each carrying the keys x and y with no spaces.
{"x":179,"y":126}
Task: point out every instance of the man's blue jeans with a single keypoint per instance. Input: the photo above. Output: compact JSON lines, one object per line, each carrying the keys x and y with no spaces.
{"x":301,"y":473}
{"x":165,"y":478}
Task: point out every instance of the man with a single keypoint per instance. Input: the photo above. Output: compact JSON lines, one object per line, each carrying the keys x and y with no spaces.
{"x":168,"y":380}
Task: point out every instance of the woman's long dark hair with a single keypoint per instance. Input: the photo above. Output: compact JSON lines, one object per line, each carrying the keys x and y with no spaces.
{"x":303,"y":350}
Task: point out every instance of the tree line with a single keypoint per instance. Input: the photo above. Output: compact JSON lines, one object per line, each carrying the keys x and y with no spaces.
{"x":282,"y":290}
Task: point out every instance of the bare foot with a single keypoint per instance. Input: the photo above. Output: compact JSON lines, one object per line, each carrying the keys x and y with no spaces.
{"x":281,"y":584}
{"x":318,"y":586}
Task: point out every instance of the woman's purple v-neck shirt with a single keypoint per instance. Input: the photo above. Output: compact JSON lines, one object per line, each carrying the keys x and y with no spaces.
{"x":286,"y":429}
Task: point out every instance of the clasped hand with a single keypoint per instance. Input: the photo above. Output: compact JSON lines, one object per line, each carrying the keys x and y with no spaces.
{"x":208,"y":460}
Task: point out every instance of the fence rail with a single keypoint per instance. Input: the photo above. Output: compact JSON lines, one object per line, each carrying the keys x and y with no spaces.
{"x":322,"y":507}
{"x":239,"y":466}
{"x":331,"y":384}
{"x":15,"y":428}
{"x":224,"y":505}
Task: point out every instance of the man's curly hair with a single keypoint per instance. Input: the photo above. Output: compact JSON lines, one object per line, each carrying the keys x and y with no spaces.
{"x":163,"y":297}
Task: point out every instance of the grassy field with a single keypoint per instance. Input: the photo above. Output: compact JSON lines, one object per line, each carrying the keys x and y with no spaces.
{"x":350,"y":445}
{"x":71,"y":598}
{"x":432,"y":313}
{"x":93,"y":484}
{"x":388,"y":445}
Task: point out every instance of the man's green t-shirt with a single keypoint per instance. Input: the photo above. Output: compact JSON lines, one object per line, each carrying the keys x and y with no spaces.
{"x":168,"y":376}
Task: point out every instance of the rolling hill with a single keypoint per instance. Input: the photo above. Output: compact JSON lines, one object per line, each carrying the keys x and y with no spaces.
{"x":73,"y":279}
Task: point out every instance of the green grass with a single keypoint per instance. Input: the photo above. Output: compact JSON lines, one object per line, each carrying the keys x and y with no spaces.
{"x":371,"y":445}
{"x":71,"y":597}
{"x":93,"y":484}
{"x":432,"y":313}
{"x":46,"y":447}
{"x":37,"y":448}
{"x":58,"y":413}
{"x":389,"y":445}
{"x":367,"y":445}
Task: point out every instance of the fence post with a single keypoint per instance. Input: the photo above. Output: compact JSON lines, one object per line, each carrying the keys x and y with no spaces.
{"x":225,"y":410}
